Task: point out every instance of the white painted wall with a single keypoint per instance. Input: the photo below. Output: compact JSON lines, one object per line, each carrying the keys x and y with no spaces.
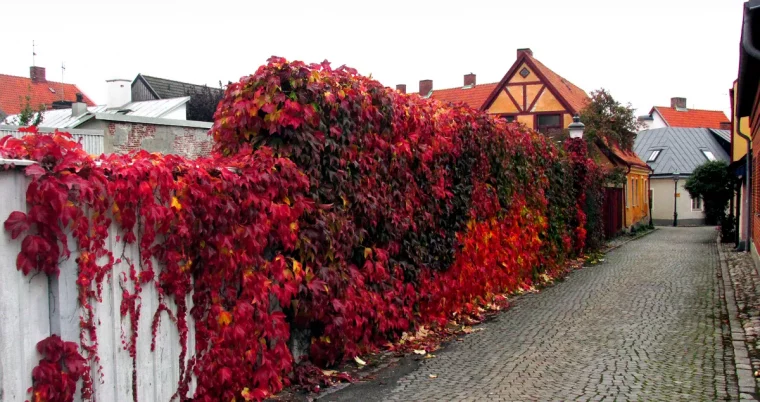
{"x":662,"y":201}
{"x":657,"y":121}
{"x":179,"y":113}
{"x":32,"y":308}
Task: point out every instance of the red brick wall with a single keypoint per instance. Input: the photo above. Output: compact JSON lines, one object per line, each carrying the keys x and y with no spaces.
{"x":755,"y":188}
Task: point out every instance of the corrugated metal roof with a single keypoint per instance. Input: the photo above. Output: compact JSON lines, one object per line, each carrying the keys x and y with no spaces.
{"x":61,"y":118}
{"x":91,"y":140}
{"x":724,"y":134}
{"x":681,"y":149}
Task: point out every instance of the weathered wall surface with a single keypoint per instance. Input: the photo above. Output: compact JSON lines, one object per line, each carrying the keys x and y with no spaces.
{"x":662,"y":204}
{"x":35,"y":307}
{"x":123,"y":137}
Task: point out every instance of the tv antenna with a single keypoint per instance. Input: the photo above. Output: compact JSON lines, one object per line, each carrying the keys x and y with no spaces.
{"x":63,"y":70}
{"x":34,"y":54}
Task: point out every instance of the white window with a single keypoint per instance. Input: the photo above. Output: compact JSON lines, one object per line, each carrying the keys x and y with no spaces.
{"x":654,"y":155}
{"x":709,"y":155}
{"x":696,"y":204}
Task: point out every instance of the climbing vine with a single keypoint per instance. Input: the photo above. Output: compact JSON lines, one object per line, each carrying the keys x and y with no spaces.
{"x":331,"y":206}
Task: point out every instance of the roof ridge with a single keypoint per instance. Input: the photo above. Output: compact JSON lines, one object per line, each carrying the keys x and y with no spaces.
{"x":46,"y":81}
{"x":178,"y":82}
{"x":462,"y":87}
{"x":690,"y":109}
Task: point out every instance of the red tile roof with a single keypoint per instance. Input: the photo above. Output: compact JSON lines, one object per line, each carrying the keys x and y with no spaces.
{"x":691,"y":118}
{"x":476,"y":96}
{"x":13,"y":90}
{"x":472,"y":97}
{"x":628,"y":157}
{"x":574,"y":96}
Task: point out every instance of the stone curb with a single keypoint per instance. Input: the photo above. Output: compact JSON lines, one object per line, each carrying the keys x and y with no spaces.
{"x":746,"y":378}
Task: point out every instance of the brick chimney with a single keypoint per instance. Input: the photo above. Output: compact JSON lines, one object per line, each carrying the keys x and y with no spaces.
{"x":469,"y":79}
{"x":425,"y":87}
{"x":524,"y":50}
{"x":401,"y":88}
{"x":725,"y":125}
{"x":678,"y":103}
{"x":37,"y":74}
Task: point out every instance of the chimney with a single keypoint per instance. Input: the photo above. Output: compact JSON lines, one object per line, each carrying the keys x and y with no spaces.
{"x":469,"y":80}
{"x":119,"y":93}
{"x":725,"y":125}
{"x":524,"y":50}
{"x":678,"y":103}
{"x":78,"y":108}
{"x":426,"y":86}
{"x":401,"y":88}
{"x":37,"y":74}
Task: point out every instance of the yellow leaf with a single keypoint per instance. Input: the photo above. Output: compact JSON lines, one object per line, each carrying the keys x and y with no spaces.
{"x":296,"y":267}
{"x":294,"y":226}
{"x":176,"y":204}
{"x":420,"y":352}
{"x":367,"y":252}
{"x":359,"y":361}
{"x":225,"y":318}
{"x":433,"y":376}
{"x":286,"y":200}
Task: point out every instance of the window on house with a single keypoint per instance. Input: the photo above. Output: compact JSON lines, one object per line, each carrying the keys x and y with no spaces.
{"x":509,"y":118}
{"x":549,"y":124}
{"x":709,"y":155}
{"x":654,"y":155}
{"x":696,"y":204}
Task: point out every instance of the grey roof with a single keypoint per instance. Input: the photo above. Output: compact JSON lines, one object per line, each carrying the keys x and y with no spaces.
{"x":62,"y":118}
{"x":680,"y":148}
{"x":163,"y":88}
{"x":725,"y":135}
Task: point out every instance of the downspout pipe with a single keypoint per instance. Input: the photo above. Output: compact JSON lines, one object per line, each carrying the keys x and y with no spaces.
{"x":748,"y":189}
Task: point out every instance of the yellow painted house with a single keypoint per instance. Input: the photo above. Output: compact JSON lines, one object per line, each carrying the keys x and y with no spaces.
{"x":532,"y":94}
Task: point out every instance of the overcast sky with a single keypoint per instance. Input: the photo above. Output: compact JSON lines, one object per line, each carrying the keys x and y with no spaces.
{"x":644,"y":51}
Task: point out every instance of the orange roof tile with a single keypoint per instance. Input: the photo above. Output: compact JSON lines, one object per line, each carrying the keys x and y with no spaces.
{"x":628,"y":157}
{"x":574,"y":96}
{"x":13,"y":89}
{"x":691,"y":118}
{"x":472,"y":97}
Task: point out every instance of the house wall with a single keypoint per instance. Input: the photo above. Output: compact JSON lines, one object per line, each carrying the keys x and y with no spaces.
{"x":123,"y":137}
{"x":657,"y":121}
{"x":662,"y":204}
{"x":738,"y":144}
{"x":179,"y":113}
{"x":140,"y":92}
{"x":755,"y":207}
{"x":526,"y":97}
{"x":637,"y":200}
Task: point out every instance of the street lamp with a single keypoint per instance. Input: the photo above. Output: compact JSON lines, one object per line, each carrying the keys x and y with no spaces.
{"x":576,"y":128}
{"x":675,"y":198}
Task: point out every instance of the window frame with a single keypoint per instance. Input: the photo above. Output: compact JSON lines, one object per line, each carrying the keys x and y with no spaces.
{"x":559,"y":127}
{"x":507,"y":116}
{"x":654,"y":155}
{"x":700,"y":204}
{"x":709,"y":155}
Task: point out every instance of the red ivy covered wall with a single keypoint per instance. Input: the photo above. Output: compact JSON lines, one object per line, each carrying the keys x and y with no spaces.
{"x":331,"y":206}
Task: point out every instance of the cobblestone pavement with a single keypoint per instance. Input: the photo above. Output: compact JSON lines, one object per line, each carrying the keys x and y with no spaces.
{"x":644,"y":325}
{"x":746,"y":283}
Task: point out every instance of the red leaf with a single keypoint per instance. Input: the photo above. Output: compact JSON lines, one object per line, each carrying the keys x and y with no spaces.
{"x":35,"y":170}
{"x":16,"y":223}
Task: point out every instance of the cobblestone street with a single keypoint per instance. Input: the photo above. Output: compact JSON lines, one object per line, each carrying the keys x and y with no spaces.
{"x":644,"y":325}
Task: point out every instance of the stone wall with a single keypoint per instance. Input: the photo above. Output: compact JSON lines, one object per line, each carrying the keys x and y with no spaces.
{"x":123,"y":137}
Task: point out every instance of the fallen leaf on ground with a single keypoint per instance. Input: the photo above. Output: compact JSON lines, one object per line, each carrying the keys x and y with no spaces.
{"x":420,"y":352}
{"x":359,"y":361}
{"x":329,"y":373}
{"x":433,"y":375}
{"x":429,"y":356}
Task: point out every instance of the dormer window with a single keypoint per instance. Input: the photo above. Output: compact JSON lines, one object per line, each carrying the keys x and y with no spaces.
{"x":654,"y":155}
{"x":709,"y":155}
{"x":51,"y":89}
